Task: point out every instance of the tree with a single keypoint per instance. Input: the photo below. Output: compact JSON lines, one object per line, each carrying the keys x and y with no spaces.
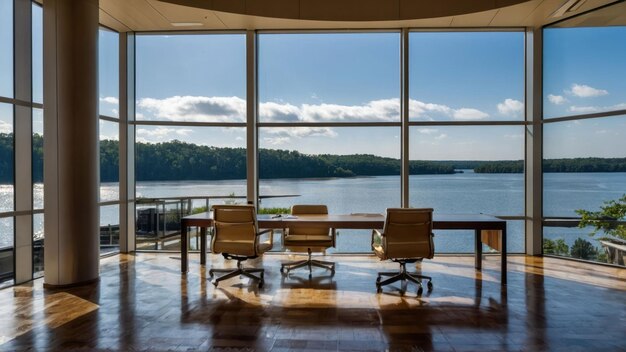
{"x":607,"y":220}
{"x":556,"y":247}
{"x":583,"y":249}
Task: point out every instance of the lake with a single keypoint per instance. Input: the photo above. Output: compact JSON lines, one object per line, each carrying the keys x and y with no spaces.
{"x":466,"y":192}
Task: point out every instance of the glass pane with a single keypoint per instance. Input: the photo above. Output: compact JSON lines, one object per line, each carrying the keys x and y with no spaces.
{"x":178,"y":162}
{"x":350,"y":169}
{"x":6,"y":48}
{"x":37,"y":158}
{"x":109,"y":161}
{"x":197,"y":77}
{"x":38,"y":245}
{"x":6,"y":249}
{"x":108,"y":67}
{"x":577,"y":243}
{"x":584,"y":164}
{"x":336,"y":77}
{"x":37,"y":47}
{"x":109,"y":229}
{"x":7,"y":153}
{"x":468,"y":169}
{"x":466,"y":76}
{"x":585,"y":64}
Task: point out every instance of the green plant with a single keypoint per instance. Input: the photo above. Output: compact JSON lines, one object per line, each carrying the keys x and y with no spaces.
{"x":276,"y":210}
{"x":556,"y":247}
{"x":583,"y":249}
{"x":606,"y":220}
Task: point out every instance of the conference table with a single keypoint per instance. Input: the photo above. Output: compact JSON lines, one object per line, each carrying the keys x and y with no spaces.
{"x":488,"y":230}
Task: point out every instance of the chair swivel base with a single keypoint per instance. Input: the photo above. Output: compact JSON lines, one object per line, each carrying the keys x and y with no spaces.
{"x":403,"y":276}
{"x":310,"y":263}
{"x":230,"y":273}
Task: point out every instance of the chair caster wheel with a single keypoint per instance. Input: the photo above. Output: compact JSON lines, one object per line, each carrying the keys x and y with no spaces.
{"x":211,"y":274}
{"x":379,"y":288}
{"x":430,"y":286}
{"x":214,"y":282}
{"x":420,"y":291}
{"x":282,"y":269}
{"x":261,"y":283}
{"x":377,"y":281}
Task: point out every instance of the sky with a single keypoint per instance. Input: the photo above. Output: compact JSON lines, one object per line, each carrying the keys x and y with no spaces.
{"x":355,"y":77}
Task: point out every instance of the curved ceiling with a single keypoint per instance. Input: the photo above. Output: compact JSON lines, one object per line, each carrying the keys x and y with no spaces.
{"x":348,"y":10}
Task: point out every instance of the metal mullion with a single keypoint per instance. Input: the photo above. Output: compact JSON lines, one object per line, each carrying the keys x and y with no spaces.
{"x":404,"y":109}
{"x":466,"y":29}
{"x":109,"y":118}
{"x":594,"y":115}
{"x":469,"y":123}
{"x":329,"y":124}
{"x":191,"y":32}
{"x":188,"y":123}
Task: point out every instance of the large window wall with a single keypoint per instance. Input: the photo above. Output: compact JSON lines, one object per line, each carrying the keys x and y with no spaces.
{"x":584,"y":108}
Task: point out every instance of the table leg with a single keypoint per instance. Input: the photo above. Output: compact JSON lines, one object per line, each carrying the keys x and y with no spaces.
{"x":202,"y":245}
{"x":503,"y":257}
{"x":478,"y":250}
{"x":183,"y":247}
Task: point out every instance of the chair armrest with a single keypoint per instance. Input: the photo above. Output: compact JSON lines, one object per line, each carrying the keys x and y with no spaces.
{"x":377,"y":237}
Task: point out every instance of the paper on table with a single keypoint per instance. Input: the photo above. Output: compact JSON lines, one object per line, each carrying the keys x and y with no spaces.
{"x":367,"y":214}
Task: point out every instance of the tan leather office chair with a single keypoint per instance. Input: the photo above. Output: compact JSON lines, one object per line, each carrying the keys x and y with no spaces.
{"x":236,"y":236}
{"x":309,"y":239}
{"x":407,"y":237}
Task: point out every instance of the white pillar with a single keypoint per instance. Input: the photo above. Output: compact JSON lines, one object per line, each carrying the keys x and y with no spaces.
{"x":71,"y":160}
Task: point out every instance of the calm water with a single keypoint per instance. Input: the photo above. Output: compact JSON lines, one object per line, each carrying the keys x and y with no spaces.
{"x":498,"y":194}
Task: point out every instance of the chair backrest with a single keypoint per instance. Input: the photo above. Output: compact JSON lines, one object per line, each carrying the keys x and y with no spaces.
{"x":408,"y":233}
{"x":308,"y":209}
{"x":235,"y":230}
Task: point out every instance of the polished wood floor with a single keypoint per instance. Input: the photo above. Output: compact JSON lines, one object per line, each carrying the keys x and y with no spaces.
{"x":143,"y":303}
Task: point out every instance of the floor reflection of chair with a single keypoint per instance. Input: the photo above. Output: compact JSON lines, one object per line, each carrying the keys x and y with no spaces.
{"x":308,"y":239}
{"x":407,"y":237}
{"x":236,"y":236}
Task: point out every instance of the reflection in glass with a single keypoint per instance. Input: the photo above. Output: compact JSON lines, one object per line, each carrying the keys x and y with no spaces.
{"x":37,"y":47}
{"x":109,"y":160}
{"x":192,"y":77}
{"x":6,"y":249}
{"x":466,"y":76}
{"x":583,"y":164}
{"x":7,"y":154}
{"x":108,"y":67}
{"x":577,"y":243}
{"x":324,"y":77}
{"x":38,"y":245}
{"x":38,"y":158}
{"x":109,"y":228}
{"x":6,"y":49}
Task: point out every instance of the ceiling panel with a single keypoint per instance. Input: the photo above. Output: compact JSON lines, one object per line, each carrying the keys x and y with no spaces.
{"x":184,"y":14}
{"x":480,"y":19}
{"x":512,"y":16}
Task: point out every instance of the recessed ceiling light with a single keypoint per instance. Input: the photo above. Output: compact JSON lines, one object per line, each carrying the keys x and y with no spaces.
{"x":186,"y":24}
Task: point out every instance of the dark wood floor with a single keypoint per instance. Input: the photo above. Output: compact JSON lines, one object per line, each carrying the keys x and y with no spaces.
{"x":143,"y":303}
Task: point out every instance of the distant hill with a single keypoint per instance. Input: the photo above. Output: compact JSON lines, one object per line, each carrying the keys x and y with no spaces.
{"x":185,"y":161}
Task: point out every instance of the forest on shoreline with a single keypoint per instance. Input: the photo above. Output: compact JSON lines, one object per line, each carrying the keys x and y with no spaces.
{"x":177,"y":160}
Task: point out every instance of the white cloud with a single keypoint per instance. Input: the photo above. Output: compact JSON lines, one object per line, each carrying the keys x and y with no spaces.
{"x":427,"y":130}
{"x":441,"y":136}
{"x":511,"y":107}
{"x":376,"y":110}
{"x":557,"y":99}
{"x":110,"y":100}
{"x":233,"y":109}
{"x":469,"y":114}
{"x":602,"y":131}
{"x":160,"y":134}
{"x":5,"y":127}
{"x":283,"y":135}
{"x":514,"y":136}
{"x":194,"y":108}
{"x":583,"y":109}
{"x":585,"y":91}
